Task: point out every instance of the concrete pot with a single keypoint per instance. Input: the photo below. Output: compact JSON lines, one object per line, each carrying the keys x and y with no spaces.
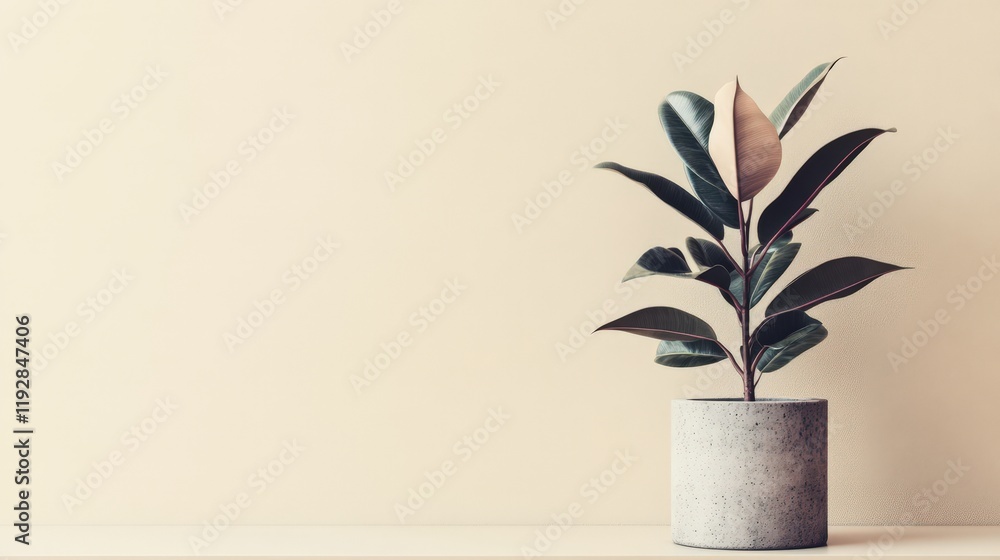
{"x":749,"y":475}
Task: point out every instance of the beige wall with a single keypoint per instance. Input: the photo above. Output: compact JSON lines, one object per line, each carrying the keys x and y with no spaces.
{"x":447,"y":233}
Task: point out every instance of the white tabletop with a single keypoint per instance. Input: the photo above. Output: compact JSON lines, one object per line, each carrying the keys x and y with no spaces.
{"x":583,"y":541}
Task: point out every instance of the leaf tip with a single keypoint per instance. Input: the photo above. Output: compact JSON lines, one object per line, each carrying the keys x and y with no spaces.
{"x":893,"y":129}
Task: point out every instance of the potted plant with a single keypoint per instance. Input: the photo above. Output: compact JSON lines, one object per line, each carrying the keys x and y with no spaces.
{"x":747,"y":473}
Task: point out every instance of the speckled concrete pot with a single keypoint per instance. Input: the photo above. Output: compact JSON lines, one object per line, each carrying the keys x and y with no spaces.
{"x":749,"y":475}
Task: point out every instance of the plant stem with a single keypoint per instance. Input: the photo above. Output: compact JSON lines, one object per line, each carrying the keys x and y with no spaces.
{"x":763,"y":251}
{"x":748,"y":374}
{"x":728,"y":254}
{"x":732,"y":359}
{"x":756,"y":360}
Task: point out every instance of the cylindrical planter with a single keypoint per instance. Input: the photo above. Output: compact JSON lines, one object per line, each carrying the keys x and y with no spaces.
{"x":749,"y":475}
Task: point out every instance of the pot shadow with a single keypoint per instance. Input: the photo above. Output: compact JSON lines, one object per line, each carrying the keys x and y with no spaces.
{"x":846,"y":536}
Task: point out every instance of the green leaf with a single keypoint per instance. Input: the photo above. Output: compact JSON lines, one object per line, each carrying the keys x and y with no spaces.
{"x":695,"y":353}
{"x":831,"y":280}
{"x":719,"y":201}
{"x":679,"y":254}
{"x":662,"y":323}
{"x":794,"y":105}
{"x":803,"y":216}
{"x":816,"y":173}
{"x":687,"y":119}
{"x":716,"y":276}
{"x":758,"y":273}
{"x":707,"y":254}
{"x":743,"y":144}
{"x":779,"y":243}
{"x":720,"y":278}
{"x":773,"y":330}
{"x":659,"y":261}
{"x":781,"y":338}
{"x":736,"y":286}
{"x":674,"y":196}
{"x":776,"y":357}
{"x":772,"y":266}
{"x":671,"y":262}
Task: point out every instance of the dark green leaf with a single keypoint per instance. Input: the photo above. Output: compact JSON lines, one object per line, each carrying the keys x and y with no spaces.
{"x":687,"y":118}
{"x":675,"y":196}
{"x":694,"y":353}
{"x":719,"y":201}
{"x":736,"y":286}
{"x":663,"y":323}
{"x":716,"y":276}
{"x":659,"y":261}
{"x":774,"y":341}
{"x":831,"y":280}
{"x":816,"y":173}
{"x":771,"y":267}
{"x":679,"y":254}
{"x":793,"y":346}
{"x":779,"y":243}
{"x":720,"y":278}
{"x":773,"y":330}
{"x":707,"y":254}
{"x":794,"y":105}
{"x":803,"y":216}
{"x":671,"y":262}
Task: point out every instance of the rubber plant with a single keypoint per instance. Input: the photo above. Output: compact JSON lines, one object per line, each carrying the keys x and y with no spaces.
{"x":731,"y":151}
